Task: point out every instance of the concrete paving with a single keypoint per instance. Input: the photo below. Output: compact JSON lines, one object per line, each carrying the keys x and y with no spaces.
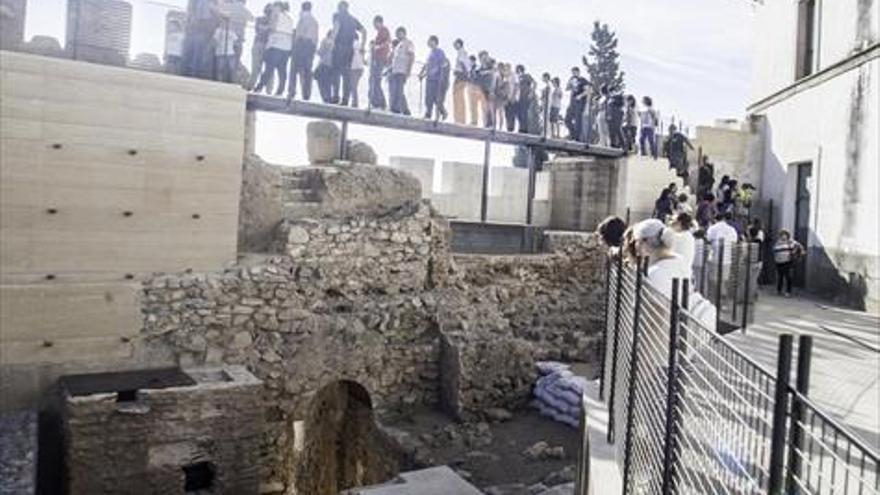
{"x":604,"y":474}
{"x":845,"y":378}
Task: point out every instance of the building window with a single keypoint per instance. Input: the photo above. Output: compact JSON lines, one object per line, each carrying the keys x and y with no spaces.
{"x":807,"y":38}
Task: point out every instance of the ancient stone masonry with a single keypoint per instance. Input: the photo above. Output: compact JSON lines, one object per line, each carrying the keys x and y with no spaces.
{"x":376,"y":299}
{"x":200,"y":435}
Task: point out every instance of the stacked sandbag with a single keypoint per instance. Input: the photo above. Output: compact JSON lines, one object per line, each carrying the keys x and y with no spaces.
{"x":558,"y":393}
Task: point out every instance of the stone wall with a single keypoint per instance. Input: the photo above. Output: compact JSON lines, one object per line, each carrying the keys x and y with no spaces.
{"x":168,"y":440}
{"x":553,"y":300}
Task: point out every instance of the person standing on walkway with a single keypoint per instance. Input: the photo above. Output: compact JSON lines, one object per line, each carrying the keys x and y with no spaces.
{"x":433,"y":75}
{"x":555,"y":106}
{"x":262,"y":28}
{"x":402,"y":59}
{"x":676,"y":152}
{"x":238,"y":17}
{"x":278,"y":48}
{"x":225,"y":61}
{"x":630,"y":123}
{"x":602,"y":116}
{"x":649,"y":121}
{"x":324,"y":71}
{"x":380,"y":57}
{"x":476,"y":97}
{"x":786,"y":252}
{"x":525,"y":100}
{"x":203,"y":17}
{"x":505,"y":98}
{"x":461,"y":74}
{"x":578,"y":93}
{"x":615,"y":120}
{"x":487,"y":78}
{"x":358,"y":65}
{"x":305,"y":44}
{"x":174,"y":47}
{"x":346,"y":28}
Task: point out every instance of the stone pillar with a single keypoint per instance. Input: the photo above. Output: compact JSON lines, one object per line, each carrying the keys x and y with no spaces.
{"x":583,"y":191}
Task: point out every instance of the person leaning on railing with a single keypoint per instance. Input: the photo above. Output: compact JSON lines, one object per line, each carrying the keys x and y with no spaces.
{"x":655,"y":241}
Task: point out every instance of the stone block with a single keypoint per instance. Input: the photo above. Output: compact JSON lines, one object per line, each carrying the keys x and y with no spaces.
{"x":322,"y":141}
{"x":163,"y":431}
{"x":18,"y":453}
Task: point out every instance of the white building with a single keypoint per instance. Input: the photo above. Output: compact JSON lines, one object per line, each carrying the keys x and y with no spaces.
{"x":815,"y":98}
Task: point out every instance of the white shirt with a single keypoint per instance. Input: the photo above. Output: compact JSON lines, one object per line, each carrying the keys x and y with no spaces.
{"x":403,"y":54}
{"x":174,"y":44}
{"x":648,"y":118}
{"x":462,"y":62}
{"x":357,"y":61}
{"x":556,"y":97}
{"x":722,"y":232}
{"x":221,"y":35}
{"x":662,"y":272}
{"x":281,"y":36}
{"x":685,"y":246}
{"x":307,"y":27}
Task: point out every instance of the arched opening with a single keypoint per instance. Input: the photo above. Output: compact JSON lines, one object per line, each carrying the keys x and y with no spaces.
{"x":342,"y":446}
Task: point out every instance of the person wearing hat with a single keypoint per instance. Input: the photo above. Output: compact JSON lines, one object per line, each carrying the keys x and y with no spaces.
{"x":656,"y":241}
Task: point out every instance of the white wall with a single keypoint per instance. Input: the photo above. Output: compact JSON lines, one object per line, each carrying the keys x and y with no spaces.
{"x":773,"y":66}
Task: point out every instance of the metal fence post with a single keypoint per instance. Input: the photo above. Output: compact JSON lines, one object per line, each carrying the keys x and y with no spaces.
{"x":796,"y":434}
{"x":748,"y":287}
{"x":615,"y":350}
{"x":669,"y":440}
{"x":582,"y":476}
{"x":343,"y":141}
{"x":719,"y":284}
{"x":633,"y":383}
{"x":780,"y":410}
{"x":484,"y":191}
{"x":604,"y":347}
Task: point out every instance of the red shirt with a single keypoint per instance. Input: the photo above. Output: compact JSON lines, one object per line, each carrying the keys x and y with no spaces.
{"x":382,"y":46}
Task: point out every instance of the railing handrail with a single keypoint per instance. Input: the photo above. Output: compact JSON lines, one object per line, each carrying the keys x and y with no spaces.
{"x":868,"y":450}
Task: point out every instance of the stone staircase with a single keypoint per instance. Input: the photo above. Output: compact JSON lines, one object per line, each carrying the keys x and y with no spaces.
{"x":298,"y":194}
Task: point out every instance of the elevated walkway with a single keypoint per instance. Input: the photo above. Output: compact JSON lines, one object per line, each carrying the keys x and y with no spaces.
{"x":379,"y":118}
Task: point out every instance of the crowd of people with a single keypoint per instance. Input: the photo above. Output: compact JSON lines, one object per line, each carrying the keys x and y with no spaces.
{"x":723,"y":216}
{"x":289,"y":55}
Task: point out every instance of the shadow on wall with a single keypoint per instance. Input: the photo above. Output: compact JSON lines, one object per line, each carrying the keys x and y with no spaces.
{"x":343,"y":446}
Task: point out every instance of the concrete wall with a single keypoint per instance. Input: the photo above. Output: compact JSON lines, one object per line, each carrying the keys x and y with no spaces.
{"x":107,"y":175}
{"x":834,"y":125}
{"x":733,"y":151}
{"x":844,"y":26}
{"x":640,"y":180}
{"x":456,"y":192}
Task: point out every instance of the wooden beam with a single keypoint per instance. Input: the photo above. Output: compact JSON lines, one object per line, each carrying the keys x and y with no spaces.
{"x":406,"y":123}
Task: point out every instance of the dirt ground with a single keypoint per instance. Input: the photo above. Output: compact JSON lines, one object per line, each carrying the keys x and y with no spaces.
{"x":493,"y":452}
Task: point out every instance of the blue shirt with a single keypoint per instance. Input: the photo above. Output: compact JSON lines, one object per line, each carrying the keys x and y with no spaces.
{"x":434,"y":69}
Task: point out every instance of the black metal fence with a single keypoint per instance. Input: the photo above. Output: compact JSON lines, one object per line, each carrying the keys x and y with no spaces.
{"x":690,"y":413}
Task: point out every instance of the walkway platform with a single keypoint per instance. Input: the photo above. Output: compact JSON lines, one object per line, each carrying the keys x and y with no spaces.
{"x":380,"y":118}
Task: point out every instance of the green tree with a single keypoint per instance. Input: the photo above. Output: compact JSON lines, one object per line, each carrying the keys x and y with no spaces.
{"x":603,"y":60}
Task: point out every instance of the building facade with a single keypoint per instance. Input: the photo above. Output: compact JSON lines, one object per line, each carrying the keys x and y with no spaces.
{"x":816,"y":78}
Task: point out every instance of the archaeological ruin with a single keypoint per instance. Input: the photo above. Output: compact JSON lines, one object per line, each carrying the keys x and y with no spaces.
{"x":181,"y":316}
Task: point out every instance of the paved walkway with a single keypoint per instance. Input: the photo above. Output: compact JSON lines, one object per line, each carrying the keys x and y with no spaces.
{"x":845,"y":378}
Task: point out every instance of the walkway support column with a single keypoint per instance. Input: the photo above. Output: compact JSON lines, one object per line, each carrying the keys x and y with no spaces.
{"x":484,"y":194}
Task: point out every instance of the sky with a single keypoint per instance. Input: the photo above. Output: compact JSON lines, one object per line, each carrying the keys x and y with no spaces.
{"x":692,"y":56}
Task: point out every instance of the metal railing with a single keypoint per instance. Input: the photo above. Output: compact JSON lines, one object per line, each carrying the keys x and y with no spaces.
{"x":691,"y":413}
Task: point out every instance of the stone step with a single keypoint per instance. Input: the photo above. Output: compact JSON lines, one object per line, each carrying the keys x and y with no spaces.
{"x":298,"y":196}
{"x":295,"y":182}
{"x":298,"y":210}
